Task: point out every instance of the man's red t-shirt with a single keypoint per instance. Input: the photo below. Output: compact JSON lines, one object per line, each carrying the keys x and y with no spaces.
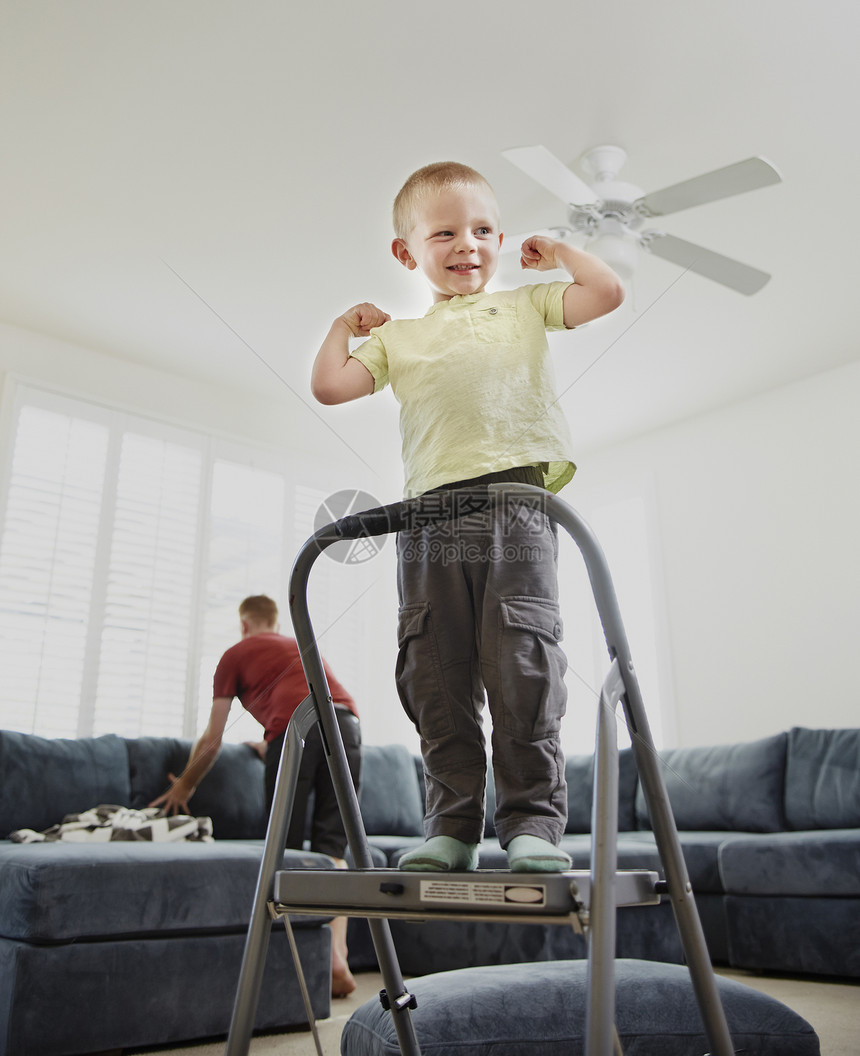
{"x":265,"y":672}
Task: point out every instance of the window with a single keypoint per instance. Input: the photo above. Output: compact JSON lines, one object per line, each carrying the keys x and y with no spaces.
{"x":247,"y":515}
{"x":145,"y":596}
{"x":339,"y":585}
{"x":126,"y":545}
{"x":48,"y":556}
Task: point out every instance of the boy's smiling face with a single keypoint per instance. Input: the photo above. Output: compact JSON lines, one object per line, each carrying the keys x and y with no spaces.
{"x":455,"y":241}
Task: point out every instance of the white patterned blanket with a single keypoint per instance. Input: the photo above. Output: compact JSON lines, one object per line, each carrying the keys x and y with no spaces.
{"x":107,"y":823}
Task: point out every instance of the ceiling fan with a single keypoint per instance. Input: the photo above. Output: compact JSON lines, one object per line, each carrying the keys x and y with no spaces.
{"x":610,"y":213}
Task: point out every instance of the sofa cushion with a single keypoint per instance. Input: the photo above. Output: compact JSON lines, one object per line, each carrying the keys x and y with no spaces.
{"x":149,"y":994}
{"x":700,"y":849}
{"x":59,"y":892}
{"x":822,"y":779}
{"x":42,"y":779}
{"x":579,"y":772}
{"x":540,"y":1010}
{"x":728,"y":787}
{"x":780,"y":864}
{"x":702,"y":857}
{"x":806,"y":936}
{"x":232,"y":794}
{"x":389,"y":795}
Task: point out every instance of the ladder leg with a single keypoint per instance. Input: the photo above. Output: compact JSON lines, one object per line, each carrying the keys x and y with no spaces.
{"x":678,"y":880}
{"x":306,"y":997}
{"x":398,"y":999}
{"x":260,"y":927}
{"x":662,"y":819}
{"x":600,"y":1012}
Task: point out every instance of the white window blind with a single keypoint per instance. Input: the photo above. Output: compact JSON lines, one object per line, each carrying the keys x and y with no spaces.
{"x":126,"y":546}
{"x":246,"y":556}
{"x":339,"y":594}
{"x":149,"y":588}
{"x":48,"y":554}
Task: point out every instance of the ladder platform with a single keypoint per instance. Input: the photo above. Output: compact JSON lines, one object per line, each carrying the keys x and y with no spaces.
{"x":485,"y":894}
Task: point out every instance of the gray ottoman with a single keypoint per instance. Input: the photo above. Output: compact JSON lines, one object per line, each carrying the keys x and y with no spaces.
{"x":539,"y":1010}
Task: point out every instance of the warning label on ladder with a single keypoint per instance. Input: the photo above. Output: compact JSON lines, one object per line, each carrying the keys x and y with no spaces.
{"x":481,"y":893}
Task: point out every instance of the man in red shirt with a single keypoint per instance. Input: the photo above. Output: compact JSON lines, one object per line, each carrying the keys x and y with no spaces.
{"x":264,"y":671}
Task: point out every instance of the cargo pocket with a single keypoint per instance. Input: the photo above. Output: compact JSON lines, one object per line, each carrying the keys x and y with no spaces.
{"x":531,"y":667}
{"x":418,"y":673}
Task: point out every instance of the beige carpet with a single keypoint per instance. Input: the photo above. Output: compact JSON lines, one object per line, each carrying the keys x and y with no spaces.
{"x":833,"y":1009}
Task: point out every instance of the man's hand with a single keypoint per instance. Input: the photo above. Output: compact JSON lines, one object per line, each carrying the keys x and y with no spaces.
{"x":259,"y":747}
{"x":539,"y":253}
{"x":175,"y":799}
{"x":362,"y":318}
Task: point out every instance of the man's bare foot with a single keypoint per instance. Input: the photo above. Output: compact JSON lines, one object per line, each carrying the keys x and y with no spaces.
{"x":342,"y":982}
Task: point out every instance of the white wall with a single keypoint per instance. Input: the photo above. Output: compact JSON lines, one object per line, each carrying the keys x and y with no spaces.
{"x":757,"y":521}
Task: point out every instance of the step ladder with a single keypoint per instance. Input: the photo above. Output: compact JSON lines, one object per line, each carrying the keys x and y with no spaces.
{"x":587,"y":901}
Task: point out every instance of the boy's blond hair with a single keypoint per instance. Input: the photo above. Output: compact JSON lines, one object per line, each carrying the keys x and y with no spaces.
{"x":259,"y":609}
{"x":439,"y":176}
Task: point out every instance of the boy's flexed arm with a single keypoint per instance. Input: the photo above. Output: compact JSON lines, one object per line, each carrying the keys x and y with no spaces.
{"x":595,"y":290}
{"x":336,"y":376}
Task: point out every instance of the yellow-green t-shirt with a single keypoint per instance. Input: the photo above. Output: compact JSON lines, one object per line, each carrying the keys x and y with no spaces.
{"x":476,"y":387}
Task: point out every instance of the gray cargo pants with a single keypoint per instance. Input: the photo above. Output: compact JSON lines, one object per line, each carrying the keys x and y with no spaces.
{"x":479,"y":612}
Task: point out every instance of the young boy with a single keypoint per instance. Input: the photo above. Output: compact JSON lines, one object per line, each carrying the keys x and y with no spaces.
{"x":478,"y":596}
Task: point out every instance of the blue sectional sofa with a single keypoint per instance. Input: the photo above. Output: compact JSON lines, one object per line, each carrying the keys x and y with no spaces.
{"x":770,"y":831}
{"x":126,"y":944}
{"x":118,"y":944}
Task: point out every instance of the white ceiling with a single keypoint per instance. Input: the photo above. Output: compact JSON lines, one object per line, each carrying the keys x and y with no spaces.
{"x":203,"y":185}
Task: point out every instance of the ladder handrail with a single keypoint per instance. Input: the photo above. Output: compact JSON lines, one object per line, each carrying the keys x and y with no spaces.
{"x":436,"y":507}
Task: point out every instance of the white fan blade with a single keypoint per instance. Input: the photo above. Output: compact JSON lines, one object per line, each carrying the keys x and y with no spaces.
{"x":743,"y":176}
{"x":551,"y":173}
{"x":706,"y":262}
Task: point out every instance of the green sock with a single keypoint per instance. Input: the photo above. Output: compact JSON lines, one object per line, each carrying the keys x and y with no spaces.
{"x":441,"y":854}
{"x":531,"y":854}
